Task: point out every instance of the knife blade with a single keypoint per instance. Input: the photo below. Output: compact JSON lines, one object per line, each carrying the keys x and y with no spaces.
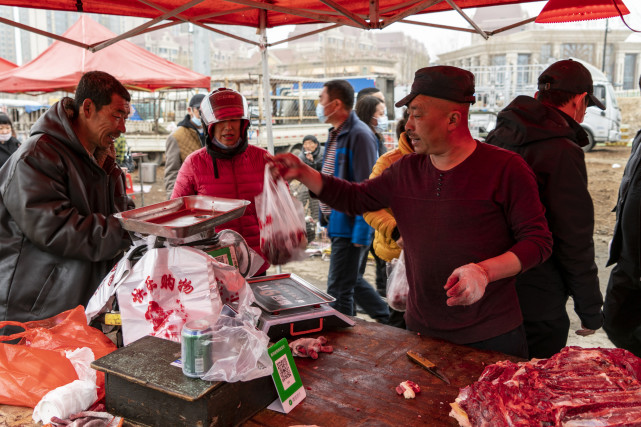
{"x":427,"y":365}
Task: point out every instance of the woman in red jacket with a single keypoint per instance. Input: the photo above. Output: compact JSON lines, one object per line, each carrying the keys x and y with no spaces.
{"x":227,"y":166}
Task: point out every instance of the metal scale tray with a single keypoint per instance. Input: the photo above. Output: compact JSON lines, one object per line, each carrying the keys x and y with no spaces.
{"x":182,"y":217}
{"x":291,"y":307}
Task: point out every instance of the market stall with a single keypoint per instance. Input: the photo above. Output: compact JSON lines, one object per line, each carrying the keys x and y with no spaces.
{"x":355,"y":384}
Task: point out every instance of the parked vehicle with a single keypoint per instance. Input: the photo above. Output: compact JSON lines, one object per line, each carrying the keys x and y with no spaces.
{"x":496,"y":86}
{"x":602,"y":125}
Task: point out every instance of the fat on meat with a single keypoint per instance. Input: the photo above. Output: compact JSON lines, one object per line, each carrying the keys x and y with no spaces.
{"x":576,"y":387}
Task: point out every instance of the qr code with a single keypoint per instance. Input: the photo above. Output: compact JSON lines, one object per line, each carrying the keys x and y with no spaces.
{"x":223,"y":259}
{"x":285,"y":372}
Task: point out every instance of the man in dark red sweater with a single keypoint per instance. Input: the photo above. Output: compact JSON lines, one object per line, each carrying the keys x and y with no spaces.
{"x":469,"y":214}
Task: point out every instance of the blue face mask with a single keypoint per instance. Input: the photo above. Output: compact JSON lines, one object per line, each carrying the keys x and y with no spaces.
{"x":197,"y":122}
{"x":381,"y":124}
{"x":320,"y":113}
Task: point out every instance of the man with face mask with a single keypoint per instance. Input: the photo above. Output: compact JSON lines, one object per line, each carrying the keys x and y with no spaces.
{"x":350,"y":153}
{"x":188,"y":137}
{"x":545,"y":131}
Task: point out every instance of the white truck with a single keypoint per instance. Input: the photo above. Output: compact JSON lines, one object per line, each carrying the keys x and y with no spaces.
{"x":293,"y":100}
{"x":602,"y":125}
{"x":287,"y":138}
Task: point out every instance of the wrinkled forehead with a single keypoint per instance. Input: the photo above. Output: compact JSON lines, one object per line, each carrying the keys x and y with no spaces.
{"x":119,"y":104}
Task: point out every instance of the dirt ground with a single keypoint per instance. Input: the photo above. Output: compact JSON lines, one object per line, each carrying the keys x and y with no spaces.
{"x":605,"y":167}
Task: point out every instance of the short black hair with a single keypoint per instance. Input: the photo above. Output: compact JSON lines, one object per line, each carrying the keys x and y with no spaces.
{"x":99,"y":87}
{"x":366,"y":108}
{"x":365,"y":92}
{"x":5,"y":120}
{"x":341,"y":90}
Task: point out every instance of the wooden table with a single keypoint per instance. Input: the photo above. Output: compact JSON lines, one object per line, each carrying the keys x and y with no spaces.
{"x":355,"y":385}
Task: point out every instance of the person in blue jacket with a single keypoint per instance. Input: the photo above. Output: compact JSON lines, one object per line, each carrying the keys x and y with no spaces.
{"x":350,"y":153}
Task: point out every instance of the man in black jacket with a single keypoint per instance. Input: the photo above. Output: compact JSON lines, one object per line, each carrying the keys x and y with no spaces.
{"x":58,"y":194}
{"x":623,"y":295}
{"x":545,"y":131}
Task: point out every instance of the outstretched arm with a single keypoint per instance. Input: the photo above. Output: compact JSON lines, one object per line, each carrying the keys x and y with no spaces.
{"x":291,"y":167}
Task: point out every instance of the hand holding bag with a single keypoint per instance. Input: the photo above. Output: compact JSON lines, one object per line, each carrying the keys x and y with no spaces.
{"x":281,"y":218}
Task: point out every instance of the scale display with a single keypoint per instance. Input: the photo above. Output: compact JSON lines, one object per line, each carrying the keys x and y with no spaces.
{"x":285,"y":291}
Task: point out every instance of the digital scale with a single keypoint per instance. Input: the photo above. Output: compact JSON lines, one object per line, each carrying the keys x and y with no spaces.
{"x":292,"y":307}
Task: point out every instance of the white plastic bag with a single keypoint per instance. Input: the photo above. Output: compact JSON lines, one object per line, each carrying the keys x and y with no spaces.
{"x":281,"y":218}
{"x":397,"y":285}
{"x":102,"y":299}
{"x":65,"y":401}
{"x":239,"y":351}
{"x":169,"y":286}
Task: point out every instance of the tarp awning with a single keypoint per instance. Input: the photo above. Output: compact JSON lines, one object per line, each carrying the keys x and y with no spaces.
{"x":6,"y":65}
{"x":61,"y":65}
{"x":280,"y":12}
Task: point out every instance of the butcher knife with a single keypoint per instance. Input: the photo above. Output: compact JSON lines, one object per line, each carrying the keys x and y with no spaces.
{"x":427,"y":365}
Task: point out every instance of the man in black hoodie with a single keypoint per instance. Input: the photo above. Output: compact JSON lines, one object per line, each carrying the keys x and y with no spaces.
{"x":188,"y":137}
{"x":545,"y":131}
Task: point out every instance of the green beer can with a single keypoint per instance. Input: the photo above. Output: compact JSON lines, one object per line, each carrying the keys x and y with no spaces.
{"x":196,"y":348}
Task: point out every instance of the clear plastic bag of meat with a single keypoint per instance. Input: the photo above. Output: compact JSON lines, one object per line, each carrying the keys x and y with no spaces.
{"x":281,"y":218}
{"x":397,"y":285}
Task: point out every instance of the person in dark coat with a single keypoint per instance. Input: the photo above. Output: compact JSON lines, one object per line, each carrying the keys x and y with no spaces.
{"x":188,"y":137}
{"x":8,"y":142}
{"x":58,"y":196}
{"x":312,"y":153}
{"x":623,"y":295}
{"x":545,"y":131}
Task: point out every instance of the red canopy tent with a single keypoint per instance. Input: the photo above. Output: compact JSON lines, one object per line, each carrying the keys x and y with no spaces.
{"x":61,"y":65}
{"x":6,"y":65}
{"x":366,"y":14}
{"x":262,"y":14}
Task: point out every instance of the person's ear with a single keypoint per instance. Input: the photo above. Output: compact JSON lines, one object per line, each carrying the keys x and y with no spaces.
{"x":454,"y":118}
{"x":584,"y":99}
{"x":580,"y":101}
{"x":87,"y":107}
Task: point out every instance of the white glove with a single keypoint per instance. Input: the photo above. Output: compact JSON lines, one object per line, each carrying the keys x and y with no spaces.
{"x":466,"y":285}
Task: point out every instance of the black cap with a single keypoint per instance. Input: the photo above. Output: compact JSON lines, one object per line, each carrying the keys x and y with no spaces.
{"x":444,"y":82}
{"x":195,"y":100}
{"x":569,"y":76}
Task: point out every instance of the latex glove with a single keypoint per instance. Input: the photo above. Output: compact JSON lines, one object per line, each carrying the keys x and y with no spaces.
{"x":310,"y":347}
{"x":584,"y":332}
{"x":466,"y":285}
